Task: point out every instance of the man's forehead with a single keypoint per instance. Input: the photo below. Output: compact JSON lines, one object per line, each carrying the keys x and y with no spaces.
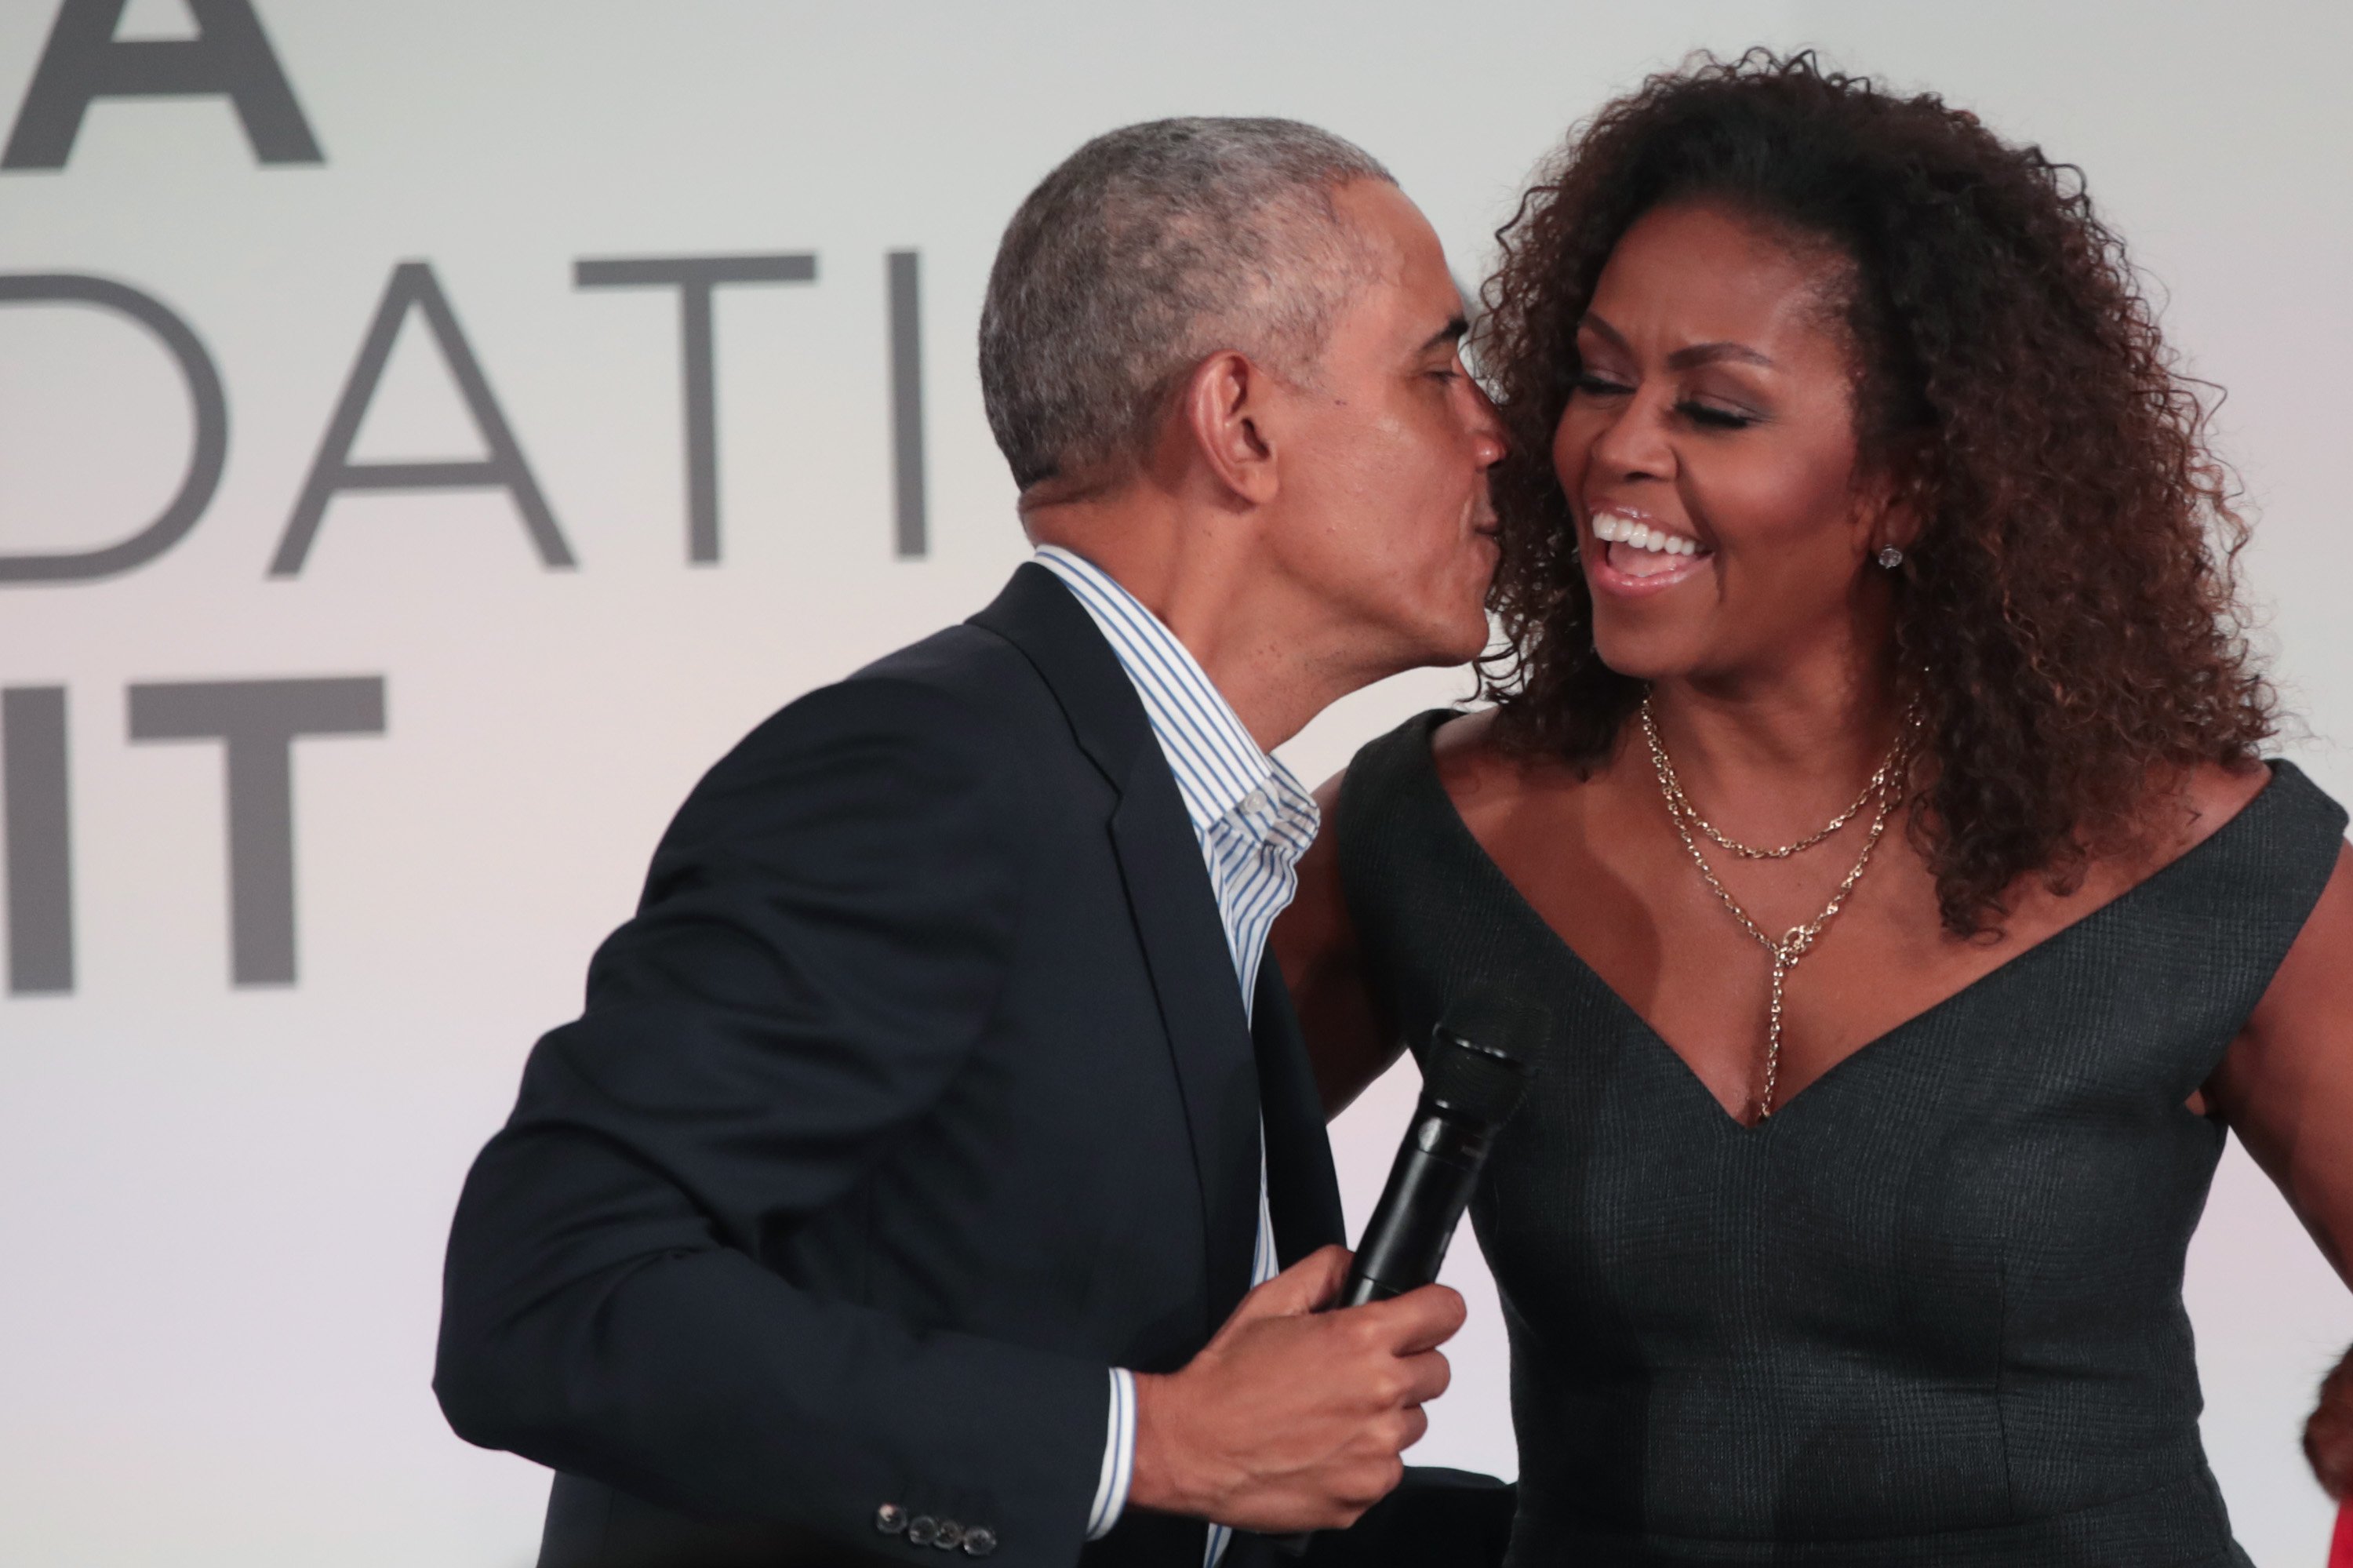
{"x":1392,"y":227}
{"x":1412,"y":287}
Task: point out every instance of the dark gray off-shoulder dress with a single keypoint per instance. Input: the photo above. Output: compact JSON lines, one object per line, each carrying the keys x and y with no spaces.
{"x":1930,"y":1312}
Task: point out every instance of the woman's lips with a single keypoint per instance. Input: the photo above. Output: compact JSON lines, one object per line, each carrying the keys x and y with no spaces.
{"x":1639,"y":563}
{"x":1659,"y":573}
{"x":1629,"y":555}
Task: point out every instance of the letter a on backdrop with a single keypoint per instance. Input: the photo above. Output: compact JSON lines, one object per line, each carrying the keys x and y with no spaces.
{"x":414,"y":287}
{"x":229,"y":58}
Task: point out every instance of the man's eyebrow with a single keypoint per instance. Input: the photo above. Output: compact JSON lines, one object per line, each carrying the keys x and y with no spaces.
{"x":1453,"y":332}
{"x":1682,"y":358}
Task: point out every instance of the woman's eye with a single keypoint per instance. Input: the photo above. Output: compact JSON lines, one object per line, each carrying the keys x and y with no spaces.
{"x":1712,"y":417}
{"x":1592,"y":385}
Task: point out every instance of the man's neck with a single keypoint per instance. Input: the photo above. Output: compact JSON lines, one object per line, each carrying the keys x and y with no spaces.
{"x":1264,"y":643}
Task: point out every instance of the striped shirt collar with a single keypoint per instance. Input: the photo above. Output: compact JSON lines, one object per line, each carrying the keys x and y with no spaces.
{"x":1252,"y":821}
{"x":1220,"y":770}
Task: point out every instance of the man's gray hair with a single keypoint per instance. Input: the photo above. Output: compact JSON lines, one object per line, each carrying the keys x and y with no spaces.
{"x":1150,"y":248}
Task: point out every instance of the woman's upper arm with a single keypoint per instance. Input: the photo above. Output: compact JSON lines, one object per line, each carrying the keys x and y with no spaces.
{"x":2285,"y":1087}
{"x":1350,"y":1041}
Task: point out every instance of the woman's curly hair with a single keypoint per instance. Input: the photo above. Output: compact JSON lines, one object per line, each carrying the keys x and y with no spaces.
{"x":2067,"y":618}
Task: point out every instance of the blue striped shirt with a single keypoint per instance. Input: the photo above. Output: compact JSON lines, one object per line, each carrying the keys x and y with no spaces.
{"x":1253,"y":821}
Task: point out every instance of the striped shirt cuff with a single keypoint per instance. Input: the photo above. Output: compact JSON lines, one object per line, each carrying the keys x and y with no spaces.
{"x":1119,"y":1456}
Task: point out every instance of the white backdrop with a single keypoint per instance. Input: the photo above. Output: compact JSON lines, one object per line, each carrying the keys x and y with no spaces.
{"x":222,"y":1206}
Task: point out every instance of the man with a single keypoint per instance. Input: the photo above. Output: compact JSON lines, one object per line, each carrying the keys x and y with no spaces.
{"x":938,"y":1105}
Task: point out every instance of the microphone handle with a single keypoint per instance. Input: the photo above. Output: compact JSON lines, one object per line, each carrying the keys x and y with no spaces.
{"x":1405,"y":1240}
{"x":1428,"y":1188}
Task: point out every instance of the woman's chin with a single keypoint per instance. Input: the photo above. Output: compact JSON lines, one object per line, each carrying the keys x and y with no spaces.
{"x":1650,"y":653}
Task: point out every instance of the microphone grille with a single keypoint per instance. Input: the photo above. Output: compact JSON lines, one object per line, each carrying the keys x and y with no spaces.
{"x":1477,"y":1064}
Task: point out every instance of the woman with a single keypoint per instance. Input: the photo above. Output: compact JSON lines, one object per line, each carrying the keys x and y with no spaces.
{"x":1871,"y":797}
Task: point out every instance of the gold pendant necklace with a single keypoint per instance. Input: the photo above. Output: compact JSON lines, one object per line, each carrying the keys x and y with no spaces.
{"x":1796,"y":942}
{"x":1681,"y":804}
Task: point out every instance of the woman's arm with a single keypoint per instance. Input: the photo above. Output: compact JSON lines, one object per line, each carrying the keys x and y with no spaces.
{"x":2328,"y":1436}
{"x":1349,"y":1040}
{"x":2286,"y":1087}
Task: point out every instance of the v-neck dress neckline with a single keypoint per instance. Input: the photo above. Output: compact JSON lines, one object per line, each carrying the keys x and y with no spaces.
{"x":1930,"y":1311}
{"x":1468,"y":842}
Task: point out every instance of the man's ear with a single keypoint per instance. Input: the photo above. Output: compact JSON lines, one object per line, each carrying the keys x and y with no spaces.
{"x":1223,"y":410}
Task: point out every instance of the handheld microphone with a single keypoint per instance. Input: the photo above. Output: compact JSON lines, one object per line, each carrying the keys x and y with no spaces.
{"x":1473,"y":1078}
{"x":1474,"y":1075}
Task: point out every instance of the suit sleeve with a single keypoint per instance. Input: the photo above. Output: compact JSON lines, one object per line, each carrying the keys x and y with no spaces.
{"x":823,"y":937}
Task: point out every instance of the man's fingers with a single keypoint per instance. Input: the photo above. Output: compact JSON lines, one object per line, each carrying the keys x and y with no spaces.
{"x":1300,"y":1288}
{"x":1416,"y":1426}
{"x":1426,"y":1376}
{"x":1324,"y":1271}
{"x":1418,"y":1321}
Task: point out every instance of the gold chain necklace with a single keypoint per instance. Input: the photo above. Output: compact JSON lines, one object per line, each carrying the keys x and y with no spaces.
{"x":1795,"y":943}
{"x":1679,"y":802}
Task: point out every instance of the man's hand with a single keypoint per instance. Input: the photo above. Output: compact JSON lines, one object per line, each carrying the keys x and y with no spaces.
{"x":1291,"y":1419}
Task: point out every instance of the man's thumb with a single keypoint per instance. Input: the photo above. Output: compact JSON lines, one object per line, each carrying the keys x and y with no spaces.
{"x":1300,"y":1288}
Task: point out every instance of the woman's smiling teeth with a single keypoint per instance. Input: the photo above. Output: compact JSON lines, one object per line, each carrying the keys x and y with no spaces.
{"x":1639,"y":549}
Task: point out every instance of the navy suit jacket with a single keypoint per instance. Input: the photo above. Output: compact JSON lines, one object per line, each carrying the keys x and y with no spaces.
{"x":918,"y":1094}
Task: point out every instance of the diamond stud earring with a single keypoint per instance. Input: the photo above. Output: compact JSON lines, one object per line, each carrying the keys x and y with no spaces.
{"x":1891,"y":557}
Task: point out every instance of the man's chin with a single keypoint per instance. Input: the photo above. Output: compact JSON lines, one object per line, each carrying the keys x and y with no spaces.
{"x":1458,"y":644}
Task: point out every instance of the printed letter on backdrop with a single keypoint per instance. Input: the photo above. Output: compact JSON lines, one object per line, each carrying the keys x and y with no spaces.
{"x":414,"y":287}
{"x":40,"y":857}
{"x":209,"y":416}
{"x":229,"y":58}
{"x":694,"y":277}
{"x":907,"y":404}
{"x":257,"y":723}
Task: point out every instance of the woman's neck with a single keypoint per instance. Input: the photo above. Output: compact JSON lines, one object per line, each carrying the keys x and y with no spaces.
{"x":1774,"y":757}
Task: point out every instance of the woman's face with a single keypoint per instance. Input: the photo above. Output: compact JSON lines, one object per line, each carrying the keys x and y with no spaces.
{"x":1709,"y":457}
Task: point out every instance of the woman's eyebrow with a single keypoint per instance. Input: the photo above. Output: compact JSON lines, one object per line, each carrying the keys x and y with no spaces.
{"x":1711,"y":353}
{"x":1682,"y":358}
{"x":1599,"y":326}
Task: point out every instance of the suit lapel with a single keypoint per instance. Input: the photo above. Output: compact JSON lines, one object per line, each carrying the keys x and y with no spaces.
{"x":1175,"y":913}
{"x":1301,"y":1188}
{"x":1193,"y":976}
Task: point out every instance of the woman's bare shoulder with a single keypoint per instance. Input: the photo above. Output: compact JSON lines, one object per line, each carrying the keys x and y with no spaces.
{"x":1469,"y":757}
{"x":1461,"y":741}
{"x":2217,"y":793}
{"x":1481,"y":773}
{"x":1464,"y":734}
{"x":2201,"y":805}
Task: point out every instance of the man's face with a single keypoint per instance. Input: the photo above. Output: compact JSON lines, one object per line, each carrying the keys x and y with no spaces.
{"x":1384,"y":515}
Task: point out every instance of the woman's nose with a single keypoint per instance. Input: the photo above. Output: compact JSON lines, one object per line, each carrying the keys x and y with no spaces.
{"x":1633,"y":444}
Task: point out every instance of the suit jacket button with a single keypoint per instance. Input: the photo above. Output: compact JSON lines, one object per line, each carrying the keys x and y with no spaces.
{"x":950,"y":1536}
{"x":890,"y":1519}
{"x":979,"y":1540}
{"x":923,"y":1531}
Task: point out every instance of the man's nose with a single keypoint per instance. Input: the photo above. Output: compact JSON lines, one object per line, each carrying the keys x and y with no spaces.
{"x":1489,"y":438}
